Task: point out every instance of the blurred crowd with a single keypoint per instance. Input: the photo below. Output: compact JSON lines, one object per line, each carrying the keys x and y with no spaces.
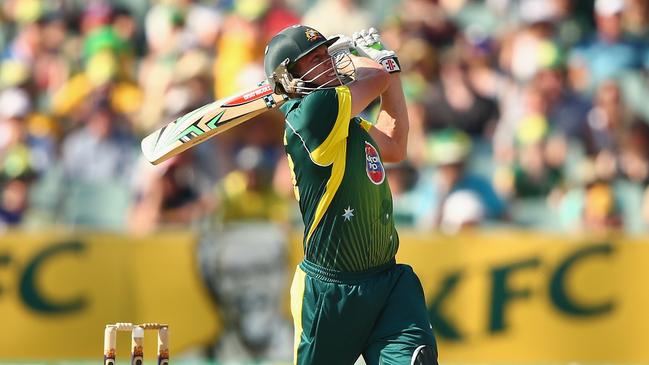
{"x":524,"y":113}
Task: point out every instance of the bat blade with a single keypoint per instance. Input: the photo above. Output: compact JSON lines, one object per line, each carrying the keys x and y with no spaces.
{"x":207,"y":121}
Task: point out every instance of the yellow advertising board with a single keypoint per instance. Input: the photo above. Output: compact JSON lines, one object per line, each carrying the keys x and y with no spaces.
{"x":515,"y":297}
{"x":508,"y":297}
{"x":58,"y":290}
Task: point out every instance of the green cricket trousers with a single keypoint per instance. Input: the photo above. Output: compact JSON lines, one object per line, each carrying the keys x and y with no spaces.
{"x":338,"y":316}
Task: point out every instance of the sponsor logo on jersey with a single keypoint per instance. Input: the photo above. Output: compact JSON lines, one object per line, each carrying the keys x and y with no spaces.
{"x":373,"y":164}
{"x":312,"y":35}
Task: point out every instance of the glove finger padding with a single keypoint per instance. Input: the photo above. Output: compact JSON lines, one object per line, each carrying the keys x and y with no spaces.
{"x":368,"y":44}
{"x":374,"y":34}
{"x":357,"y":38}
{"x":368,"y":39}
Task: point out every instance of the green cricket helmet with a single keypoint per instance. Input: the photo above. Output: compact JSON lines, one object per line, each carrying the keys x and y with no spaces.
{"x":291,"y":44}
{"x":285,"y":49}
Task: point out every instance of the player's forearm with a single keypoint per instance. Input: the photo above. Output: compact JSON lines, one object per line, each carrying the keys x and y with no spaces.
{"x":371,"y":81}
{"x":367,"y":68}
{"x":392,"y":122}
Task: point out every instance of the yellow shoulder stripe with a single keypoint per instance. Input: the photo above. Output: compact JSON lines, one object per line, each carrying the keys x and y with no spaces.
{"x":333,"y":151}
{"x":323,"y":155}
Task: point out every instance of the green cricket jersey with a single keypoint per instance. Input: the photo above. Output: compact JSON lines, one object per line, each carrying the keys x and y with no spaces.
{"x":340,"y":183}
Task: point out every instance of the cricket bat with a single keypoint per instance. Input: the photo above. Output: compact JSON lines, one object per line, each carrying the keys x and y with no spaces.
{"x":207,"y":121}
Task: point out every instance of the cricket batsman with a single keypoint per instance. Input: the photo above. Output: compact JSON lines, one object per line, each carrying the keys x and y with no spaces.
{"x":348,"y":297}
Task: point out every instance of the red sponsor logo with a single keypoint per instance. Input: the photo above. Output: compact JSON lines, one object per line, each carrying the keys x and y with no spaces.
{"x":255,"y":94}
{"x":390,"y":65}
{"x":373,"y":165}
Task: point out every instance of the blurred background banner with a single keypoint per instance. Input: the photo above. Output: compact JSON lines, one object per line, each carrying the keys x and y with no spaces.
{"x":59,"y":290}
{"x":520,"y":297}
{"x":506,"y":296}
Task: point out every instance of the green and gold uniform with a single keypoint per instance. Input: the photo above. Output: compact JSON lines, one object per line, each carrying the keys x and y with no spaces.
{"x":348,"y":296}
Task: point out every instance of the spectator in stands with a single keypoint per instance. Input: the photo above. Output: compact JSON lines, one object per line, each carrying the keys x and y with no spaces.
{"x":529,"y":48}
{"x":462,"y":210}
{"x":163,"y":28}
{"x":636,"y":18}
{"x":634,"y":154}
{"x":174,"y":194}
{"x":537,"y":160}
{"x":608,"y":130}
{"x":239,"y":53}
{"x":593,"y":208}
{"x":528,"y":54}
{"x":601,"y":209}
{"x":107,"y":63}
{"x":97,"y":162}
{"x":407,"y":206}
{"x":609,"y":53}
{"x":247,"y":193}
{"x":454,"y":103}
{"x":539,"y":164}
{"x":13,"y":201}
{"x":633,"y":163}
{"x":28,"y":140}
{"x":419,"y":63}
{"x":449,"y":151}
{"x":608,"y":121}
{"x":102,"y":150}
{"x":16,"y":156}
{"x":52,"y":67}
{"x":566,"y":110}
{"x":427,"y":19}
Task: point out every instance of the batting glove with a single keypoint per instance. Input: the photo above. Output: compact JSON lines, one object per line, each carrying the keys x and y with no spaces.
{"x":368,"y":44}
